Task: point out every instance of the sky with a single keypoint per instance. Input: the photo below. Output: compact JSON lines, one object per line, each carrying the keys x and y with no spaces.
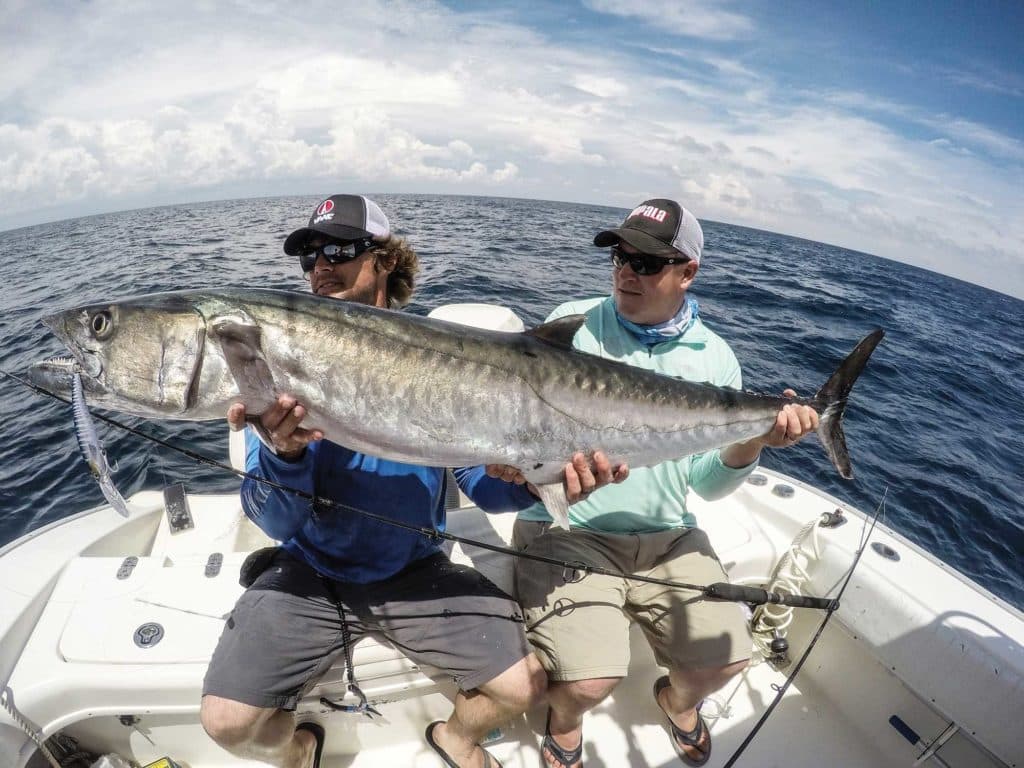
{"x":893,"y":128}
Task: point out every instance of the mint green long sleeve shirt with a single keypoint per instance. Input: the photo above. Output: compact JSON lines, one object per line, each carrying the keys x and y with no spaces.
{"x":653,"y":498}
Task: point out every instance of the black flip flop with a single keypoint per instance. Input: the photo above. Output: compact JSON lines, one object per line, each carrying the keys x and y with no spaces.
{"x":686,"y":738}
{"x":563,"y":755}
{"x":318,"y":734}
{"x":489,"y":761}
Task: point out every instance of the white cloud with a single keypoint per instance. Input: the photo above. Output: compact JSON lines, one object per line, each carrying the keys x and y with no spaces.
{"x":964,"y":131}
{"x":715,"y":188}
{"x":972,"y":133}
{"x":604,"y":87}
{"x":990,"y":79}
{"x":411,"y":96}
{"x":692,"y":18}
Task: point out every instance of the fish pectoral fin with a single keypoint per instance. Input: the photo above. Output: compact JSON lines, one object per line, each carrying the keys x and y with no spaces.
{"x":242,"y":345}
{"x":245,"y":338}
{"x":553,"y":497}
{"x":558,"y":332}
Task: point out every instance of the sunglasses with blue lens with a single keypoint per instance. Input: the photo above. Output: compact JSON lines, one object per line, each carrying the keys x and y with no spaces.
{"x":334,"y":253}
{"x":644,"y":263}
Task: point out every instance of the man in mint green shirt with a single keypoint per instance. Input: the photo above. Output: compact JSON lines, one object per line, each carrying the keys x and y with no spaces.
{"x":642,"y":525}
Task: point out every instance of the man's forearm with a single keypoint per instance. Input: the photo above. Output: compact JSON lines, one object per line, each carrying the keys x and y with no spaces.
{"x":739,"y":455}
{"x":276,"y":512}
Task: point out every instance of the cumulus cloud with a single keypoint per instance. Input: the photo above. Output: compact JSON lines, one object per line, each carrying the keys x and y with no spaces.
{"x":417,"y":96}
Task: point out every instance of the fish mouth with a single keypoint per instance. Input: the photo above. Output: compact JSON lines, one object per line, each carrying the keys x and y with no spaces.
{"x":54,"y":374}
{"x":84,"y":361}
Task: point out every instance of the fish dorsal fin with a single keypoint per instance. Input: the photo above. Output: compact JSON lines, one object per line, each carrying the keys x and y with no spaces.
{"x":559,"y":332}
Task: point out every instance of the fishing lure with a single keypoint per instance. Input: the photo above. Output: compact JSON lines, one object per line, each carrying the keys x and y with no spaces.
{"x":92,"y":449}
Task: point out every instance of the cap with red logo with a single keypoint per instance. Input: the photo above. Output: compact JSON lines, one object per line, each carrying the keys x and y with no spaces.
{"x":341,"y":217}
{"x":658,"y":227}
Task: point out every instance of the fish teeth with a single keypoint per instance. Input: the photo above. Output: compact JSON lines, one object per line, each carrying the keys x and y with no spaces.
{"x":62,"y":361}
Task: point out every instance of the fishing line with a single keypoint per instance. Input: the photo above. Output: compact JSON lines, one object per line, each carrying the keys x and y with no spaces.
{"x":821,"y":628}
{"x":719,"y":590}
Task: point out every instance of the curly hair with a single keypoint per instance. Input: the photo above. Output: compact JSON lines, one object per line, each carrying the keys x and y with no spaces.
{"x":395,"y":252}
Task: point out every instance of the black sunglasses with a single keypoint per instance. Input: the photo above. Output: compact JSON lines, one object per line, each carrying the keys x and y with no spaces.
{"x":335,"y":253}
{"x":644,"y":263}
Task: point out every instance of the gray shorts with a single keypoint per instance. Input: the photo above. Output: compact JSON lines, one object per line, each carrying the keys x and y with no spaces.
{"x":285,"y":633}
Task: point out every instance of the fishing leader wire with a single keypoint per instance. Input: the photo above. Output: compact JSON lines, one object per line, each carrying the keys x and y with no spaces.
{"x":717,"y":591}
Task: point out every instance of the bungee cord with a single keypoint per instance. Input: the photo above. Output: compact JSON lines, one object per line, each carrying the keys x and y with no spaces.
{"x":781,"y":690}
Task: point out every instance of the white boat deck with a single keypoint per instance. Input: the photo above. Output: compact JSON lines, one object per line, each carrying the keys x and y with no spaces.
{"x":913,"y":639}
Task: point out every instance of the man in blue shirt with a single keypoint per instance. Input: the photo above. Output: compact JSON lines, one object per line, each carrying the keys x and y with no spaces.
{"x":339,"y":574}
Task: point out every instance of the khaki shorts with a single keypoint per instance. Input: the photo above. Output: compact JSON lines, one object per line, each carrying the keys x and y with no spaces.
{"x":579,"y":627}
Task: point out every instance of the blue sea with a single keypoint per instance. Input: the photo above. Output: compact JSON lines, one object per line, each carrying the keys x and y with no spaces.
{"x":937,"y":418}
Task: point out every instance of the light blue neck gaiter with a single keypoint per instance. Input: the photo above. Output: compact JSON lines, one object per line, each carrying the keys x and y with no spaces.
{"x":672,"y":328}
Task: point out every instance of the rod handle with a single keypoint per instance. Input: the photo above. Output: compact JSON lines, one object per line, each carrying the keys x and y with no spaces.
{"x":734,"y":592}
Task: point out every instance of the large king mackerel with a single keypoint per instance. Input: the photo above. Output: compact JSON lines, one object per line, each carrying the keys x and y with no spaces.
{"x":413,"y":389}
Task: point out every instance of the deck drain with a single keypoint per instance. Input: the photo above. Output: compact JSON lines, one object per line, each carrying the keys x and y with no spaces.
{"x":757,"y":480}
{"x":783,"y":491}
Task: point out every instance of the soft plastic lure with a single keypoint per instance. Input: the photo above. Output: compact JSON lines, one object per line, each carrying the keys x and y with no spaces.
{"x":92,"y":449}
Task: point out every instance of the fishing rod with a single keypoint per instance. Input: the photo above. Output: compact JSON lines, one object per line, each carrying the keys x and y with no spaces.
{"x":781,"y":690}
{"x":718,"y":591}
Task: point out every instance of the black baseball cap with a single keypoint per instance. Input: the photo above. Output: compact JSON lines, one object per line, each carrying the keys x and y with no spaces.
{"x":658,"y":227}
{"x":342,"y":217}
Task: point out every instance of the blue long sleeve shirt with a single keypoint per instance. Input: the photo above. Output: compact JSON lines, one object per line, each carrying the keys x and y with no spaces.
{"x":342,"y":543}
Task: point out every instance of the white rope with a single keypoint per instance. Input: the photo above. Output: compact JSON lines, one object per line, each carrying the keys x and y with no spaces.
{"x":790,"y":576}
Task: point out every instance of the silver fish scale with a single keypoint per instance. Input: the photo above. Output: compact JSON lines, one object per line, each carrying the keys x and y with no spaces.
{"x":410,"y":388}
{"x":425,"y":404}
{"x":478,"y":396}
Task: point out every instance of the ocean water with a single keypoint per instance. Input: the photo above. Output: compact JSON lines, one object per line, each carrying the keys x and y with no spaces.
{"x":937,"y":418}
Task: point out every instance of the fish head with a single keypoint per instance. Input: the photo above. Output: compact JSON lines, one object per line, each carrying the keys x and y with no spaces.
{"x":141,"y":356}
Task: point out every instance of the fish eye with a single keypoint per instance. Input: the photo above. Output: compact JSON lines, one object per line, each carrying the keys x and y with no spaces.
{"x":102,"y":325}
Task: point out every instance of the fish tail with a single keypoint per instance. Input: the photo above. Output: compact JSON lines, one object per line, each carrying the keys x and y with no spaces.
{"x":831,"y":402}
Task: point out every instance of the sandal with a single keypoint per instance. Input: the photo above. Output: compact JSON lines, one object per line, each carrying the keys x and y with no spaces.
{"x":489,"y":761}
{"x":318,"y":734}
{"x":567,"y":757}
{"x":681,"y":738}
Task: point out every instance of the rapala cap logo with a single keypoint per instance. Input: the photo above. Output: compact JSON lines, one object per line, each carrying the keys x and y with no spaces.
{"x":648,"y":212}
